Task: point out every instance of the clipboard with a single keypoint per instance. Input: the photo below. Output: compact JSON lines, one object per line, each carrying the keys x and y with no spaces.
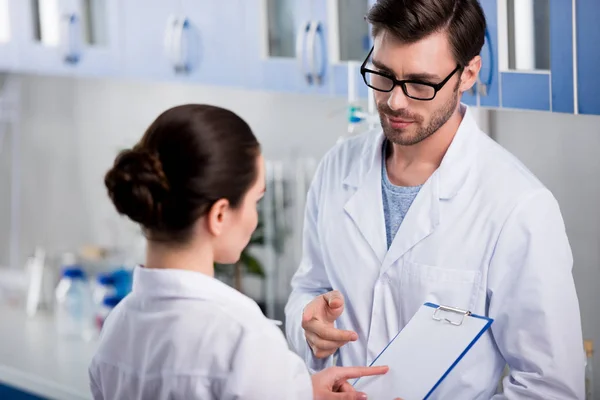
{"x":422,"y":354}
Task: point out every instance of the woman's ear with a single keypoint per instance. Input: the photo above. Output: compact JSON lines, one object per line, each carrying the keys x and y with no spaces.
{"x":215,"y":219}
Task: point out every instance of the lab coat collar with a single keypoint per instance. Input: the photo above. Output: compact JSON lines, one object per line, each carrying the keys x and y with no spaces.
{"x":458,"y":160}
{"x":178,"y":283}
{"x":453,"y":169}
{"x":365,"y":206}
{"x":444,"y":183}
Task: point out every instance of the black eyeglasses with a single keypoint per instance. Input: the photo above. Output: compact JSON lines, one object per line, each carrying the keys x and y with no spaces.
{"x":415,"y":89}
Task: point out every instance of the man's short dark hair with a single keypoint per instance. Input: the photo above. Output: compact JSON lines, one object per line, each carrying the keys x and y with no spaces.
{"x":412,"y":20}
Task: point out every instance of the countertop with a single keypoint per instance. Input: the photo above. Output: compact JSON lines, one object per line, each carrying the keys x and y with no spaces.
{"x":34,"y":359}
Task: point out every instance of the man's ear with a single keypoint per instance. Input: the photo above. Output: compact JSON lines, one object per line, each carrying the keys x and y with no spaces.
{"x":216,"y":217}
{"x":470,"y":73}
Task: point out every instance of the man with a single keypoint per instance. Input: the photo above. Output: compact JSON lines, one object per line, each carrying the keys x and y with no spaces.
{"x":431,"y":209}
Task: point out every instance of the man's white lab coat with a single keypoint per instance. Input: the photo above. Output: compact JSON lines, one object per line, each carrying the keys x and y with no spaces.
{"x":483,"y":234}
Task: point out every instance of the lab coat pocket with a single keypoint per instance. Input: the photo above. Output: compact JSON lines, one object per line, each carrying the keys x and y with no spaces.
{"x":422,"y":283}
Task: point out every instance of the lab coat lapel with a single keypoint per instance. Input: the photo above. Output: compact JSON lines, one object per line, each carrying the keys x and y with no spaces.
{"x":365,"y":206}
{"x":420,"y":221}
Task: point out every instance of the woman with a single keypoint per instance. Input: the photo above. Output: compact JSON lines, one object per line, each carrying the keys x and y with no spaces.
{"x":193,"y":183}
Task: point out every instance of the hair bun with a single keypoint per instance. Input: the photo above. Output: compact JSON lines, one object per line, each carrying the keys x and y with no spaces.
{"x":138,"y":187}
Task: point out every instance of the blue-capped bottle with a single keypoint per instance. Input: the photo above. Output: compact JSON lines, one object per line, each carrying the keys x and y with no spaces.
{"x":73,"y":309}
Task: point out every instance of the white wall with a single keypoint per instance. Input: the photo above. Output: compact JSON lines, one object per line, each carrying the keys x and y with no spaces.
{"x":562,"y":150}
{"x":72,"y":130}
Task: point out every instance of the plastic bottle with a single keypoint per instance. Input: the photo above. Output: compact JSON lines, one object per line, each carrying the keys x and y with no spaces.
{"x":73,"y":305}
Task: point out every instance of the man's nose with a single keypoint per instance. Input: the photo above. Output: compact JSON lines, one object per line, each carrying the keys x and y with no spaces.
{"x":397,"y":100}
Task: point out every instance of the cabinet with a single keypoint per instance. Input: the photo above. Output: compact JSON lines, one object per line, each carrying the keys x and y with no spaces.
{"x":65,"y":37}
{"x":538,"y":54}
{"x":487,"y":86}
{"x":186,"y":40}
{"x":535,"y":54}
{"x":287,"y":46}
{"x":588,"y":56}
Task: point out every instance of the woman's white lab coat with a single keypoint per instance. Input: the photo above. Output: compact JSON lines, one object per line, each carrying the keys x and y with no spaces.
{"x":184,"y":335}
{"x":483,"y":234}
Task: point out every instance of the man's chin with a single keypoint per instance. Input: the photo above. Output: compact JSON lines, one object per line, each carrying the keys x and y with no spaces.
{"x":402,"y":137}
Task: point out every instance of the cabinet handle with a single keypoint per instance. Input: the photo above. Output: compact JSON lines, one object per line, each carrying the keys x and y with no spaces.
{"x":300,"y":50}
{"x":317,"y":74}
{"x":70,"y":37}
{"x":177,"y":44}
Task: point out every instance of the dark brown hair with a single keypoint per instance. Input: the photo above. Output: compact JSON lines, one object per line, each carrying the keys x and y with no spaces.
{"x":413,"y":20}
{"x":190,"y":157}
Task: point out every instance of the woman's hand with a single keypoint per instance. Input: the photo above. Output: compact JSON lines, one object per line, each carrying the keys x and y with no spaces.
{"x":331,"y":383}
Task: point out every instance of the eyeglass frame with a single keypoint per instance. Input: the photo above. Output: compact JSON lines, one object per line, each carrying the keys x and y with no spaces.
{"x":402,"y":83}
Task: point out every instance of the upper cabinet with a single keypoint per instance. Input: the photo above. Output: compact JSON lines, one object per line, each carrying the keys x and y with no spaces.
{"x":186,"y":40}
{"x":538,"y":54}
{"x":588,"y":56}
{"x":308,"y":46}
{"x":78,"y":37}
{"x":532,"y":49}
{"x":486,"y":90}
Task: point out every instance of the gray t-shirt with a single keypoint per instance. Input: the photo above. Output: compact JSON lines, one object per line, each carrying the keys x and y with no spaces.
{"x":396,"y":201}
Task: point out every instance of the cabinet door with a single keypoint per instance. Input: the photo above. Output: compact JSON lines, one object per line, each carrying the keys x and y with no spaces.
{"x":588,"y":56}
{"x":99,"y":46}
{"x":7,"y":36}
{"x":145,"y":35}
{"x":220,"y":53}
{"x":349,"y":43}
{"x":42,"y":36}
{"x":68,"y":37}
{"x":188,"y":40}
{"x":280,"y":35}
{"x":536,"y":54}
{"x":487,"y":87}
{"x":561,"y":56}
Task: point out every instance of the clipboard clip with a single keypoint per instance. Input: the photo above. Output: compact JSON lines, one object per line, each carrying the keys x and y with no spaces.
{"x":464,"y":314}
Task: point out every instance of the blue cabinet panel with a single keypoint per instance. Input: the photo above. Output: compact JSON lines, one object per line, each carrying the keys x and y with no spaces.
{"x":489,"y":57}
{"x":470,"y":97}
{"x":561,"y":55}
{"x":588,"y":56}
{"x":526,"y":91}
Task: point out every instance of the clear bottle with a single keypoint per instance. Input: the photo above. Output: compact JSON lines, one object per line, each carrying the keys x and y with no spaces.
{"x":73,"y":305}
{"x":589,"y":370}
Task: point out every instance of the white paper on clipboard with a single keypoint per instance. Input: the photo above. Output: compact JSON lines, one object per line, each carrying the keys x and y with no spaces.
{"x":424,"y":353}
